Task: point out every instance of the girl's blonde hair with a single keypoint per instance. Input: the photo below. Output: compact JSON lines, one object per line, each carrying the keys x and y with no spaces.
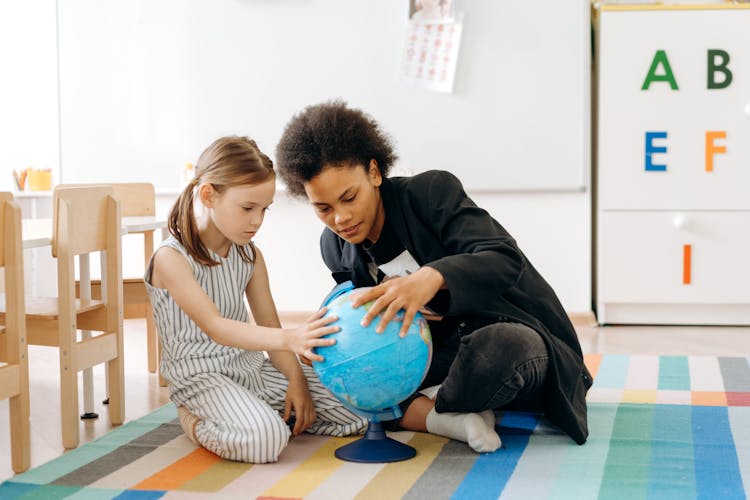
{"x":227,"y":162}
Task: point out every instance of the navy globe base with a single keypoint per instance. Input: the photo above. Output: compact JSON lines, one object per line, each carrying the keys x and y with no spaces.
{"x":375,"y":447}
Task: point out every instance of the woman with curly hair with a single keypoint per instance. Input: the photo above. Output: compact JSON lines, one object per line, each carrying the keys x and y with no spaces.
{"x":502,"y":340}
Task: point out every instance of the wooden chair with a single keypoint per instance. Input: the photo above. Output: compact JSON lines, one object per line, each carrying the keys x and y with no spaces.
{"x":14,"y":374}
{"x":137,"y":200}
{"x":86,"y":220}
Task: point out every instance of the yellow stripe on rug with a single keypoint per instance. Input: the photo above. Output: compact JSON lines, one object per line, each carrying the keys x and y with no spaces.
{"x":310,"y":473}
{"x":216,"y":477}
{"x":639,"y":396}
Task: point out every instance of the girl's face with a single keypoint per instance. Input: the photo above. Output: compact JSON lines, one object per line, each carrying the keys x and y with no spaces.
{"x":347,"y":200}
{"x":238,"y":212}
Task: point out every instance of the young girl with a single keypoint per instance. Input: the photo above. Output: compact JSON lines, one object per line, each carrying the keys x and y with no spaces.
{"x":231,"y":398}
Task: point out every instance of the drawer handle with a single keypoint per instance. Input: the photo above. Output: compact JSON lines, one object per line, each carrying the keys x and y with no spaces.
{"x":681,"y":222}
{"x":747,"y":109}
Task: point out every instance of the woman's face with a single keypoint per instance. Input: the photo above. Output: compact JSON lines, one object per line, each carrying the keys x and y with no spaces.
{"x":347,"y":200}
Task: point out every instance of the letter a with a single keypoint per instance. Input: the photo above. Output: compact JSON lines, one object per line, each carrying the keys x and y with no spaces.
{"x":668,"y":76}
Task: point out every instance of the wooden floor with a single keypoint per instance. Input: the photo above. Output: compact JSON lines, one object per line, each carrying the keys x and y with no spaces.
{"x":144,"y":395}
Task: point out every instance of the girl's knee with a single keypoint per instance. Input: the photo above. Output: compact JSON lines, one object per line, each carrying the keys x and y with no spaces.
{"x":261,"y":443}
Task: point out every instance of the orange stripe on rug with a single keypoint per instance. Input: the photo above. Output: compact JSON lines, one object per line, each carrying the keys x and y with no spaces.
{"x":706,"y":398}
{"x":397,"y":478}
{"x":310,"y":473}
{"x":592,"y":362}
{"x":181,"y":471}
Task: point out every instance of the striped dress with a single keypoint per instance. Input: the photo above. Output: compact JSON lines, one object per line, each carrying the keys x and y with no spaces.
{"x":237,"y":394}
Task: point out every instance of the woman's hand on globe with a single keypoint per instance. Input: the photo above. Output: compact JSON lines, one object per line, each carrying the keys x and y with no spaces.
{"x":306,"y":337}
{"x":410,"y":293}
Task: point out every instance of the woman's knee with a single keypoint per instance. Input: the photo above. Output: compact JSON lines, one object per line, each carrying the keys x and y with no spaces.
{"x":512,"y":343}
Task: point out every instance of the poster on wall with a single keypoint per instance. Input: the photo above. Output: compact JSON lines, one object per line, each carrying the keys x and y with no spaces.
{"x":430,"y":52}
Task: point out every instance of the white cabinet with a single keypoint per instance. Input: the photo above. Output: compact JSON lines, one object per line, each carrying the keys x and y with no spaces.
{"x":673,"y":165}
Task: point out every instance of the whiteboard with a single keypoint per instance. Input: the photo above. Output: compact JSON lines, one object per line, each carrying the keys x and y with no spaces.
{"x":145,"y":85}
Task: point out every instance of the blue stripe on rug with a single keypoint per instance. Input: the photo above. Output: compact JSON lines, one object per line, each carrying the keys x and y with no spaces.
{"x":671,"y":471}
{"x":491,"y":471}
{"x":141,"y":495}
{"x":613,"y":371}
{"x":717,"y":472}
{"x":11,"y":490}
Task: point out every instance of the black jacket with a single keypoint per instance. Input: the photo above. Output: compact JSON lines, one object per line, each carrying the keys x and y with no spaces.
{"x":486,"y":275}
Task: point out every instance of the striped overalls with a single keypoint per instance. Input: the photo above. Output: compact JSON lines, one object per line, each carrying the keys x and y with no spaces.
{"x":237,"y":394}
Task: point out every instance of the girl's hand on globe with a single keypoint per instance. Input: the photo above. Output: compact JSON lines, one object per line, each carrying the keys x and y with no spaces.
{"x":306,"y":337}
{"x":409,"y":293}
{"x":299,"y":400}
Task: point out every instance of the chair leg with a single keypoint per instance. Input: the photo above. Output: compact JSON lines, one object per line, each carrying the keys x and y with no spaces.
{"x":20,"y":431}
{"x":115,"y":382}
{"x":151,"y":340}
{"x":69,"y":397}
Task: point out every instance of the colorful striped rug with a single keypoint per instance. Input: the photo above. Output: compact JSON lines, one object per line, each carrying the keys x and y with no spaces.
{"x":660,"y":427}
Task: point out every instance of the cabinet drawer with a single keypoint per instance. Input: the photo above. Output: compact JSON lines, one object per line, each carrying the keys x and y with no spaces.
{"x":642,"y":257}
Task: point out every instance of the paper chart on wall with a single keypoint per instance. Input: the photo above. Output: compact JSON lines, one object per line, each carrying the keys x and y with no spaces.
{"x":431,"y":52}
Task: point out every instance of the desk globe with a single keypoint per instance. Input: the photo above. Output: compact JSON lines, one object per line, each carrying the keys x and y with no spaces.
{"x":371,"y":373}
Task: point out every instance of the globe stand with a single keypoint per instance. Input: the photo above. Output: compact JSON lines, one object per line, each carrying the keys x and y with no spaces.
{"x":375,"y":446}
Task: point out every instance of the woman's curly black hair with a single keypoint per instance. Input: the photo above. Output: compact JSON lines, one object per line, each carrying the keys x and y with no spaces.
{"x":330,"y":134}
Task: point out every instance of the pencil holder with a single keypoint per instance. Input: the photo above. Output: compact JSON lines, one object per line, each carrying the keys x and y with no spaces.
{"x":39,"y":180}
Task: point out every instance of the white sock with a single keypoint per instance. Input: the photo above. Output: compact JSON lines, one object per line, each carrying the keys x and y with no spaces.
{"x":430,"y":392}
{"x":489,"y":418}
{"x":471,"y":428}
{"x":188,"y":421}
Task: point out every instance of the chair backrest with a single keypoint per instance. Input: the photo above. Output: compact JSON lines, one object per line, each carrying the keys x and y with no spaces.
{"x":136,"y":198}
{"x":85,"y":213}
{"x":87,"y":219}
{"x":11,"y":260}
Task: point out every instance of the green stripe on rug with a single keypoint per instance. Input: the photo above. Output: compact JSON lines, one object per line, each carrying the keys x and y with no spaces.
{"x":672,"y":467}
{"x":626,"y":469}
{"x":674,"y":373}
{"x":580,"y":475}
{"x":82,"y":455}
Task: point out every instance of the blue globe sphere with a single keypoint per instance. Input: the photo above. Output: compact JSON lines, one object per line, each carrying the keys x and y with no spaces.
{"x":370,"y":371}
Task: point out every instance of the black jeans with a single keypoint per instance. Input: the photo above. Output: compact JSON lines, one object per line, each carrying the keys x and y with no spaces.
{"x":486,"y":366}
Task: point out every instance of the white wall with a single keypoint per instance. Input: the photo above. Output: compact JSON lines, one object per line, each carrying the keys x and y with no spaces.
{"x":28,"y":88}
{"x":553,"y":229}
